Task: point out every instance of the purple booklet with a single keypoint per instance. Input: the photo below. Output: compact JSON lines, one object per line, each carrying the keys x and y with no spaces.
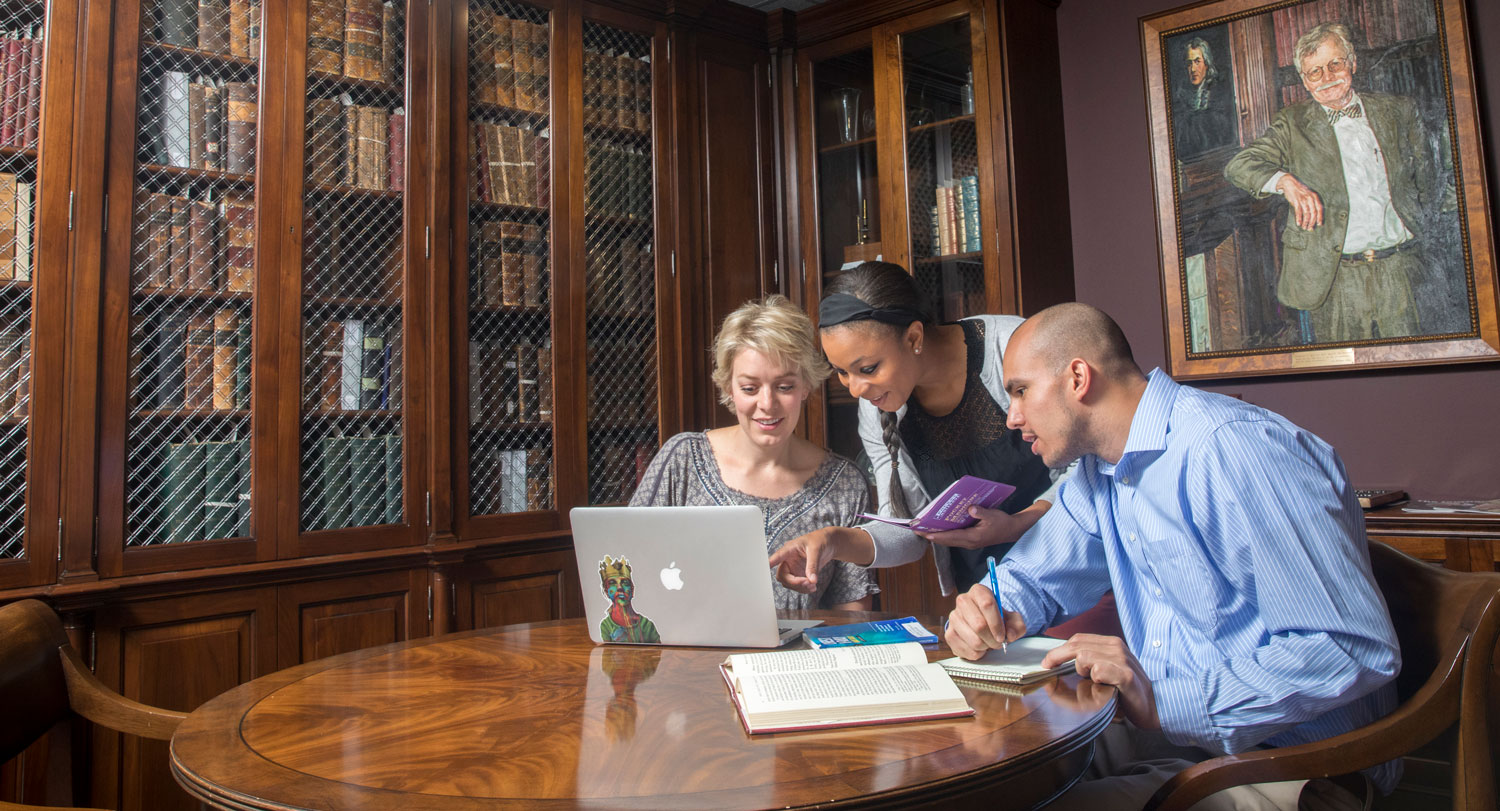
{"x":950,"y":510}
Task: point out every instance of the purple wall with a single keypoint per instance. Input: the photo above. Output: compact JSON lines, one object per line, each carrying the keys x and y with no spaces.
{"x":1431,"y":430}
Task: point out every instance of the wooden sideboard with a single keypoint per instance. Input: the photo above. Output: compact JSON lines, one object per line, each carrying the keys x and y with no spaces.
{"x":1458,"y":541}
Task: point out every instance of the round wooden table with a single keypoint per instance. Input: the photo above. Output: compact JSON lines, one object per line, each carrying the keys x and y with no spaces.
{"x":536,"y":716}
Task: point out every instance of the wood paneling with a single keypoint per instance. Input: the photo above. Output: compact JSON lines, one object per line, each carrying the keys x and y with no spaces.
{"x":175,"y":653}
{"x":330,"y":617}
{"x":530,"y":588}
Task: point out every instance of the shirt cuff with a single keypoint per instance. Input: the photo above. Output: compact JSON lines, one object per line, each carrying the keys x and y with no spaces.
{"x":1183,"y":715}
{"x":893,"y":545}
{"x":1018,"y":599}
{"x":1270,"y":187}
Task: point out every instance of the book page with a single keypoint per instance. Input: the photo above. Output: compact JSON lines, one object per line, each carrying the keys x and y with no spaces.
{"x":803,"y":661}
{"x":1024,"y":658}
{"x":825,"y":686}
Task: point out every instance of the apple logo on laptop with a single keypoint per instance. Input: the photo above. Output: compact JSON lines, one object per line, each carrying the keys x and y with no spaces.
{"x":671,"y":577}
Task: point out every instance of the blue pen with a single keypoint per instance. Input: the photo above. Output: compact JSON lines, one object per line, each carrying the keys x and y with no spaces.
{"x":995,"y":589}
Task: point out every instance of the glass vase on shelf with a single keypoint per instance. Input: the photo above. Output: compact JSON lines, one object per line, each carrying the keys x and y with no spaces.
{"x":848,"y":114}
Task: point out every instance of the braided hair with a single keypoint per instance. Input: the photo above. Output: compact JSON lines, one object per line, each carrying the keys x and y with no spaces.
{"x":885,"y":286}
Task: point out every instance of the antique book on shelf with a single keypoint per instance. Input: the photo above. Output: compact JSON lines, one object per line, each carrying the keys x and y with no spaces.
{"x":244,"y":354}
{"x":252,"y":28}
{"x":166,"y":355}
{"x":526,"y":380}
{"x":213,"y":26}
{"x":512,"y":270}
{"x":390,"y":43}
{"x":491,"y":262}
{"x":539,"y":66}
{"x":8,"y":189}
{"x":1019,"y":663}
{"x":239,"y":156}
{"x":199,"y":361}
{"x":239,"y":29}
{"x":481,"y":54}
{"x":524,"y":68}
{"x":494,"y":155}
{"x":226,"y":358}
{"x":325,"y":37}
{"x":221,"y":489}
{"x":176,"y":135}
{"x":625,"y":92}
{"x":544,"y":381}
{"x":179,"y":23}
{"x":538,"y":479}
{"x":374,"y":152}
{"x":367,"y":480}
{"x":328,"y":363}
{"x":11,"y":370}
{"x":785,"y":691}
{"x":533,"y":278}
{"x":392,"y":478}
{"x":643,"y":94}
{"x":184,"y":471}
{"x":373,"y":371}
{"x":324,"y":158}
{"x":34,"y":105}
{"x":593,"y":87}
{"x":213,"y":128}
{"x":24,"y":213}
{"x":396,"y":148}
{"x":969,"y":188}
{"x":16,"y":86}
{"x":239,"y":243}
{"x":362,"y":27}
{"x":513,"y":481}
{"x":153,"y":240}
{"x":203,"y":245}
{"x":525,"y":159}
{"x":180,"y":234}
{"x":352,"y":357}
{"x":330,"y":492}
{"x":500,"y":80}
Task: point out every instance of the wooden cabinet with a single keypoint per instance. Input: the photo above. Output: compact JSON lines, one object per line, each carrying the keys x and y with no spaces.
{"x":1462,"y":542}
{"x":910,"y":150}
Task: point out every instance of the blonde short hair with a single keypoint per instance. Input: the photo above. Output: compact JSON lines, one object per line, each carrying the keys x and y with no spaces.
{"x":775,"y":328}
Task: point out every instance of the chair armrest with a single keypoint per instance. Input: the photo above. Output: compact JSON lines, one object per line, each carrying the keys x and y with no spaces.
{"x":1419,"y":720}
{"x":91,"y":699}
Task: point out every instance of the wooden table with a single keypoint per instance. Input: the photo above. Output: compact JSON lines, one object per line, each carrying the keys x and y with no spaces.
{"x":536,"y":716}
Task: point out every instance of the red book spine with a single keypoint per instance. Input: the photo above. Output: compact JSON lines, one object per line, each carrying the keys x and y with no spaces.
{"x":11,"y":93}
{"x":480,"y":165}
{"x":23,"y":92}
{"x":34,"y":99}
{"x":397,"y":150}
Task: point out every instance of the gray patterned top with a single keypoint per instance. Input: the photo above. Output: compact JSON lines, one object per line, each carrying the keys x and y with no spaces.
{"x":686,"y":474}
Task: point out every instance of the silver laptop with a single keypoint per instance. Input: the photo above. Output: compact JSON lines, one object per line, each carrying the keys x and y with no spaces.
{"x":678,"y":576}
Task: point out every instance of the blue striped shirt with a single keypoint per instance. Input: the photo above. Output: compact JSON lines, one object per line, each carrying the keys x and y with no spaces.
{"x":1237,"y":554}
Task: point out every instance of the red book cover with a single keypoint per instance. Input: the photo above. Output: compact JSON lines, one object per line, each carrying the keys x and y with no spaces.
{"x":479,"y":166}
{"x":10,"y":95}
{"x":23,"y":92}
{"x":397,"y":150}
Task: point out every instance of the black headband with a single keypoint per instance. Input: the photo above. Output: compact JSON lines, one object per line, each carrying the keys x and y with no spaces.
{"x":841,"y":308}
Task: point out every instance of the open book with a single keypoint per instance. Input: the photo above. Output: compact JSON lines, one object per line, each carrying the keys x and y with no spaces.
{"x":783,"y":691}
{"x":950,"y":509}
{"x":1021,"y":664}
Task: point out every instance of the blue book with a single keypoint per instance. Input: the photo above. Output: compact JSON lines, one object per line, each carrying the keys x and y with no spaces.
{"x":879,"y":632}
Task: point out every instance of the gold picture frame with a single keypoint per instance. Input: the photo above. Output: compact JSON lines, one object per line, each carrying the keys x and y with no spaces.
{"x":1254,"y":281}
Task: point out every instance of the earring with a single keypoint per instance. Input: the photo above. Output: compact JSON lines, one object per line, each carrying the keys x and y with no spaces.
{"x":918,"y":350}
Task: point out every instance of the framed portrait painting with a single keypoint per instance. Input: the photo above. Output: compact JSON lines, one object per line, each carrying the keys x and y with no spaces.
{"x":1320,"y":188}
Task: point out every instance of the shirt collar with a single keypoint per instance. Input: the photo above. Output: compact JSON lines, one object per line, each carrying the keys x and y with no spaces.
{"x":1354,"y":101}
{"x":1148,"y":428}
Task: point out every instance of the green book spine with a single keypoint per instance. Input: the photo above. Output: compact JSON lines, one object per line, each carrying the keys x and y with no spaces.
{"x":367,"y":474}
{"x":332,"y":484}
{"x":221,"y":500}
{"x":244,"y":350}
{"x":969,"y":186}
{"x":242,"y":487}
{"x":183,"y":482}
{"x":393,"y":478}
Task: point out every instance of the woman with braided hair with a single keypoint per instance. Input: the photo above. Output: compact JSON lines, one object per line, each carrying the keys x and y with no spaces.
{"x":931,"y":410}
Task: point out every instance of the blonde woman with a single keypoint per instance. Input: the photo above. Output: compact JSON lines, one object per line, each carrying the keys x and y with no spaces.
{"x":765,"y":365}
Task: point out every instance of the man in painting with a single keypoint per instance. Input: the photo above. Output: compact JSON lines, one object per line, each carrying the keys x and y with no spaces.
{"x":623,"y":623}
{"x":1359,"y":179}
{"x":1204,"y":114}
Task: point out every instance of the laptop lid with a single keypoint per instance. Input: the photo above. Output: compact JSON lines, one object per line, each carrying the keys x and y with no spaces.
{"x":677,"y":576}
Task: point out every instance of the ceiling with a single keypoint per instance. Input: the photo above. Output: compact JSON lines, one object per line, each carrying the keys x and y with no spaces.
{"x":772,"y":5}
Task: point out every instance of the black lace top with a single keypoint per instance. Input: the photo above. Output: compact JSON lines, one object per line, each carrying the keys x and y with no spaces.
{"x":972,"y":440}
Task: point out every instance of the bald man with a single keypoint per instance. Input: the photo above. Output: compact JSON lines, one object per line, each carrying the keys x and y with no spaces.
{"x":1237,"y":555}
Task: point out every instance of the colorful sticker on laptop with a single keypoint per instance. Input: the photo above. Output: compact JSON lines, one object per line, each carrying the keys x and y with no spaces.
{"x":622,"y":623}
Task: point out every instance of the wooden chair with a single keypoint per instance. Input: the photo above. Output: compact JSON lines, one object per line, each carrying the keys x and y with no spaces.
{"x":1448,"y":624}
{"x":44,"y":681}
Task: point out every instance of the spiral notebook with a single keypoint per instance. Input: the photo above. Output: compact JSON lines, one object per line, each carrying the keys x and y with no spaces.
{"x":1021,"y":664}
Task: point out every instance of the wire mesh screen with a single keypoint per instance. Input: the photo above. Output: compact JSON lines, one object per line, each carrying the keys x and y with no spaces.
{"x":192,"y":270}
{"x":510,"y":366}
{"x":620,"y":260}
{"x":19,"y":116}
{"x":353,"y":238}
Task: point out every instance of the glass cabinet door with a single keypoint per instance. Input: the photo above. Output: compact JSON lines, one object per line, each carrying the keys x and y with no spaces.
{"x":942,"y":171}
{"x":353,"y":293}
{"x":619,"y":259}
{"x":847,"y":177}
{"x":509,"y":290}
{"x":187,"y":281}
